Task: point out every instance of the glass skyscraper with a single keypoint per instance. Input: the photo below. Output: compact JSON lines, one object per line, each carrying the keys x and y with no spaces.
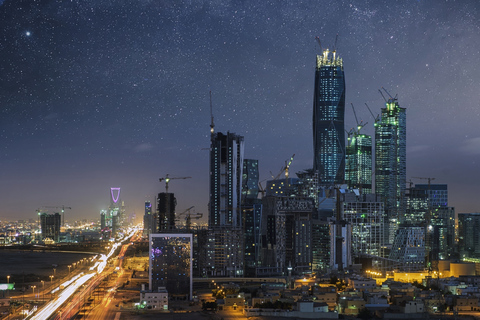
{"x":390,"y":163}
{"x":358,"y":169}
{"x":328,"y":119}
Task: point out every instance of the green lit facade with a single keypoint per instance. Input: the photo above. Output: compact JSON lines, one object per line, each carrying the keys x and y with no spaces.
{"x":390,"y":164}
{"x":328,"y":119}
{"x":358,"y":168}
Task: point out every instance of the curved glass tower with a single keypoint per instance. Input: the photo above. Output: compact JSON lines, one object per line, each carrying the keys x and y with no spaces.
{"x":328,"y":119}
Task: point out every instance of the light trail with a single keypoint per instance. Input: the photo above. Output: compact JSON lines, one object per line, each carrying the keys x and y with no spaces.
{"x":53,"y":305}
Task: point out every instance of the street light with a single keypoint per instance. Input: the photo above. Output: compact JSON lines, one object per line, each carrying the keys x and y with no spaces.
{"x":43,"y":289}
{"x":33,"y":288}
{"x":8,"y":281}
{"x":69,"y":266}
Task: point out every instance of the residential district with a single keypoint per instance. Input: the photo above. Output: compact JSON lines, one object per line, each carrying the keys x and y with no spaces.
{"x":349,"y":237}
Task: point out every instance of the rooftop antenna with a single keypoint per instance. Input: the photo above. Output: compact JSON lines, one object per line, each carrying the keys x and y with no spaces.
{"x":212,"y":125}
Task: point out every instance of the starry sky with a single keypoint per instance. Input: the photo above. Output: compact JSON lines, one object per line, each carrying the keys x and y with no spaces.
{"x":115,"y":93}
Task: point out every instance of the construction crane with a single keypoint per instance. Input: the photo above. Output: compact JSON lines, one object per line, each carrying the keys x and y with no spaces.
{"x":261,"y":189}
{"x":167,"y":180}
{"x":212,"y":126}
{"x":423,"y":178}
{"x":63,"y":211}
{"x":287,"y":165}
{"x":184,"y":212}
{"x":359,"y":125}
{"x":319,"y":43}
{"x":189,"y":215}
{"x":374,"y":118}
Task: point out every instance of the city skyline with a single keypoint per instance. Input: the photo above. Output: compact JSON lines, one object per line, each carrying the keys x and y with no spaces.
{"x":97,"y":95}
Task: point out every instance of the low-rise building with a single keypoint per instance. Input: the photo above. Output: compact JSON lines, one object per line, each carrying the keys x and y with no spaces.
{"x":350,"y":306}
{"x":154,"y":299}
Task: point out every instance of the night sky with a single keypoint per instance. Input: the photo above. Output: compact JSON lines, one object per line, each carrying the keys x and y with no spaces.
{"x":115,"y":93}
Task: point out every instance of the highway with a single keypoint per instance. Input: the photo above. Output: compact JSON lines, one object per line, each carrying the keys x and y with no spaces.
{"x":71,"y":294}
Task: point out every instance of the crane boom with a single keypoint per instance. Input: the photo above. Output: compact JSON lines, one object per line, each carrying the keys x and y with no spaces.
{"x":167,"y":180}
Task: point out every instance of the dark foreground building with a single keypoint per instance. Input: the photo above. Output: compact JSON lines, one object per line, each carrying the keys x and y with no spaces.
{"x":171,"y":263}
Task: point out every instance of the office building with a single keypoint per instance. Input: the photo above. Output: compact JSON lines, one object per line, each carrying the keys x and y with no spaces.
{"x":358,"y":166}
{"x":427,"y":207}
{"x":225,"y":221}
{"x":282,"y":187}
{"x":437,"y":194}
{"x":252,"y":213}
{"x":286,"y":235}
{"x":166,"y":204}
{"x":390,"y":164}
{"x":50,"y":224}
{"x":170,"y":263}
{"x":321,"y":246}
{"x":226,"y":168}
{"x":148,"y":219}
{"x":469,"y":235}
{"x":364,"y":213}
{"x":250,"y":180}
{"x":408,"y":248}
{"x":328,"y":119}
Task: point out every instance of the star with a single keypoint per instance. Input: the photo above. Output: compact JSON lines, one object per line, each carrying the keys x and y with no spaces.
{"x":28,"y":33}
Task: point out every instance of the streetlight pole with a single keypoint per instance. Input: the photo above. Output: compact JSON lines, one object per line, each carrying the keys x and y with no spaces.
{"x":69,"y":266}
{"x":43,"y":290}
{"x":8,"y":291}
{"x":33,"y":288}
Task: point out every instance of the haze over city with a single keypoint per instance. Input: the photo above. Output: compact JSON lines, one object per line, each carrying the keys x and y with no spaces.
{"x":100,"y":94}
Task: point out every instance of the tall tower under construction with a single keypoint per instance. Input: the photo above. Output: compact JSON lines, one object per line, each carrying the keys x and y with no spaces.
{"x":226,"y":166}
{"x":358,"y":169}
{"x":390,"y":163}
{"x":328,"y":119}
{"x":225,"y":221}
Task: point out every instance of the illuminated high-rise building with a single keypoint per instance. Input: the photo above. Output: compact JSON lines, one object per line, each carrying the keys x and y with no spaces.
{"x":225,"y":215}
{"x":358,"y":168}
{"x":390,"y":164}
{"x":226,"y":166}
{"x":250,"y":180}
{"x":328,"y":119}
{"x":148,"y":219}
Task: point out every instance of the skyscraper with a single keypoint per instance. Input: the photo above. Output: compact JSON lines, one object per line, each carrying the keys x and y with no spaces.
{"x":328,"y":119}
{"x":148,"y":219}
{"x":250,"y":180}
{"x":358,"y":168}
{"x":226,"y":166}
{"x":225,"y":215}
{"x":166,"y":203}
{"x":390,"y":163}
